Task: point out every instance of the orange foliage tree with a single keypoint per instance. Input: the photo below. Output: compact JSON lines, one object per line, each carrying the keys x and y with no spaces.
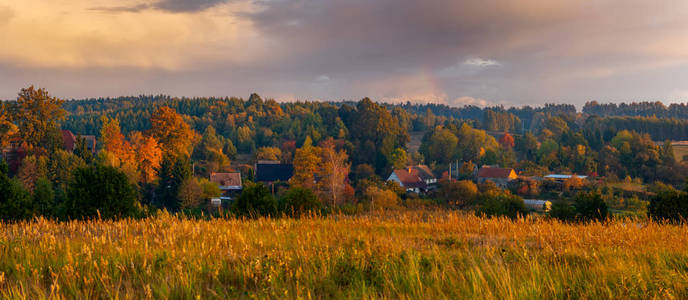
{"x":148,"y":155}
{"x":173,"y":133}
{"x":114,"y":142}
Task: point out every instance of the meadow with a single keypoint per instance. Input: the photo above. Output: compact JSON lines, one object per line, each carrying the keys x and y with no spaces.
{"x":417,"y":254}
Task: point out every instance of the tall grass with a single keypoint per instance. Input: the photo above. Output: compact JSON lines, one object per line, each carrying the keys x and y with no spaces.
{"x":402,"y":255}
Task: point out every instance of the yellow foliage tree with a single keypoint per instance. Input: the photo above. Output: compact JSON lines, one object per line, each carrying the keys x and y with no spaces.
{"x":173,"y":133}
{"x":333,"y":172}
{"x":306,"y":161}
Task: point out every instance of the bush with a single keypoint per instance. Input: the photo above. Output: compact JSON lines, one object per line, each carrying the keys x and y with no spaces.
{"x":298,"y":201}
{"x":563,"y":211}
{"x":381,"y":199}
{"x":255,"y":200}
{"x":459,"y":193}
{"x":100,"y":190}
{"x":670,"y":205}
{"x":590,"y":207}
{"x":503,"y":205}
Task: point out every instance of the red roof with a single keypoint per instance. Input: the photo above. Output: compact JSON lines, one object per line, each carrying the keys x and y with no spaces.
{"x":414,"y":177}
{"x":226,"y":180}
{"x":68,"y":140}
{"x":486,"y":172}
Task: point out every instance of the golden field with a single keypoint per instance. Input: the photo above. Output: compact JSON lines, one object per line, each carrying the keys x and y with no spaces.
{"x":419,"y":254}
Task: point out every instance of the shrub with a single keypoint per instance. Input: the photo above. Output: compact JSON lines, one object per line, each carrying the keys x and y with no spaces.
{"x":459,"y":193}
{"x":503,"y":205}
{"x":563,"y":211}
{"x":381,"y":199}
{"x":100,"y":189}
{"x":670,"y":205}
{"x":299,"y":200}
{"x":590,"y":207}
{"x":255,"y":200}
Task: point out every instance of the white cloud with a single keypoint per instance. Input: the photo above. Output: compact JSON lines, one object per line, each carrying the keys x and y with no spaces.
{"x":466,"y":100}
{"x":480,"y":62}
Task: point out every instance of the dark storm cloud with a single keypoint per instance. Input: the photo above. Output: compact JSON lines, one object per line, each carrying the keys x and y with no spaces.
{"x":450,"y":51}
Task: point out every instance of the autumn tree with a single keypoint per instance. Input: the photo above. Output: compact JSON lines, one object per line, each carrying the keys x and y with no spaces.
{"x":459,"y":193}
{"x":172,"y":132}
{"x":381,"y":199}
{"x":114,"y":142}
{"x":7,"y":127}
{"x":333,"y":172}
{"x":190,"y":193}
{"x":32,"y":168}
{"x":36,"y":115}
{"x":210,"y":151}
{"x":306,"y":161}
{"x":148,"y":155}
{"x":507,"y":141}
{"x":268,"y":153}
{"x":399,"y":159}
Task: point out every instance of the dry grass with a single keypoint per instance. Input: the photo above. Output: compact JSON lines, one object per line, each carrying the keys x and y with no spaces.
{"x":402,"y":255}
{"x":680,"y":150}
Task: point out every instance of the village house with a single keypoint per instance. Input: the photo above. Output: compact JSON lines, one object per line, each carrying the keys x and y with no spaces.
{"x":273,"y":171}
{"x":417,"y":179}
{"x":561,"y":177}
{"x":499,"y":176}
{"x":538,"y":205}
{"x":69,"y":141}
{"x":229,"y":184}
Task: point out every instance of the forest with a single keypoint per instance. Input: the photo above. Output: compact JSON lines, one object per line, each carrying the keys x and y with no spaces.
{"x":158,"y":152}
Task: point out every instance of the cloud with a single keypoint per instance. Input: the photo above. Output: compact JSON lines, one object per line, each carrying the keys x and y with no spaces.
{"x":479,"y":62}
{"x":177,"y":6}
{"x":508,"y":51}
{"x":466,"y":100}
{"x":323,"y":78}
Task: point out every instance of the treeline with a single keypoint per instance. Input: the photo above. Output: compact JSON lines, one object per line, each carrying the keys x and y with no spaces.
{"x":637,"y":109}
{"x":659,"y":129}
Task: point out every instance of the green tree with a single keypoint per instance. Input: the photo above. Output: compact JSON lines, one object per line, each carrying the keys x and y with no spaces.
{"x":670,"y":205}
{"x":563,"y":211}
{"x":255,"y":201}
{"x":375,"y":134}
{"x":172,"y":173}
{"x":503,"y":204}
{"x":439,"y":146}
{"x":100,"y":191}
{"x":590,"y":207}
{"x":15,"y":201}
{"x":43,"y":199}
{"x":299,"y":201}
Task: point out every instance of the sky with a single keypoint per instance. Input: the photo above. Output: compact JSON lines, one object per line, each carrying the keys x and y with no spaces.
{"x":454,"y":52}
